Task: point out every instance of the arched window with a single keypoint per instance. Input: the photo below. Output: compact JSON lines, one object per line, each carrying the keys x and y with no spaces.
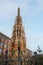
{"x":0,"y":51}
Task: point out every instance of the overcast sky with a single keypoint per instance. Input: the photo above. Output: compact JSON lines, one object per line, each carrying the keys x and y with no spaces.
{"x":32,"y":18}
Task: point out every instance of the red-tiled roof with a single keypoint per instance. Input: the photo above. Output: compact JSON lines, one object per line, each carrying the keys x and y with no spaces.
{"x":5,"y":35}
{"x":29,"y":50}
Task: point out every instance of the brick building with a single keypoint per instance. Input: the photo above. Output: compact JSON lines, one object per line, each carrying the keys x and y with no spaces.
{"x":4,"y":40}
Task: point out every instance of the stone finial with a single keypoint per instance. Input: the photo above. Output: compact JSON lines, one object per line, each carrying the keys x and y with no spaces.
{"x":18,"y":11}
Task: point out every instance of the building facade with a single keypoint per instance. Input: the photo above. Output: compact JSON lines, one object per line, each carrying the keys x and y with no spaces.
{"x":4,"y":40}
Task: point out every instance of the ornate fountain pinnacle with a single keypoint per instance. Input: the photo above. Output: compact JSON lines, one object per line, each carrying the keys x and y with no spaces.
{"x":18,"y":11}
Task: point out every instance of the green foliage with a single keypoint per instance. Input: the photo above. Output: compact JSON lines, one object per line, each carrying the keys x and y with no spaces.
{"x":39,"y":50}
{"x":38,"y":59}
